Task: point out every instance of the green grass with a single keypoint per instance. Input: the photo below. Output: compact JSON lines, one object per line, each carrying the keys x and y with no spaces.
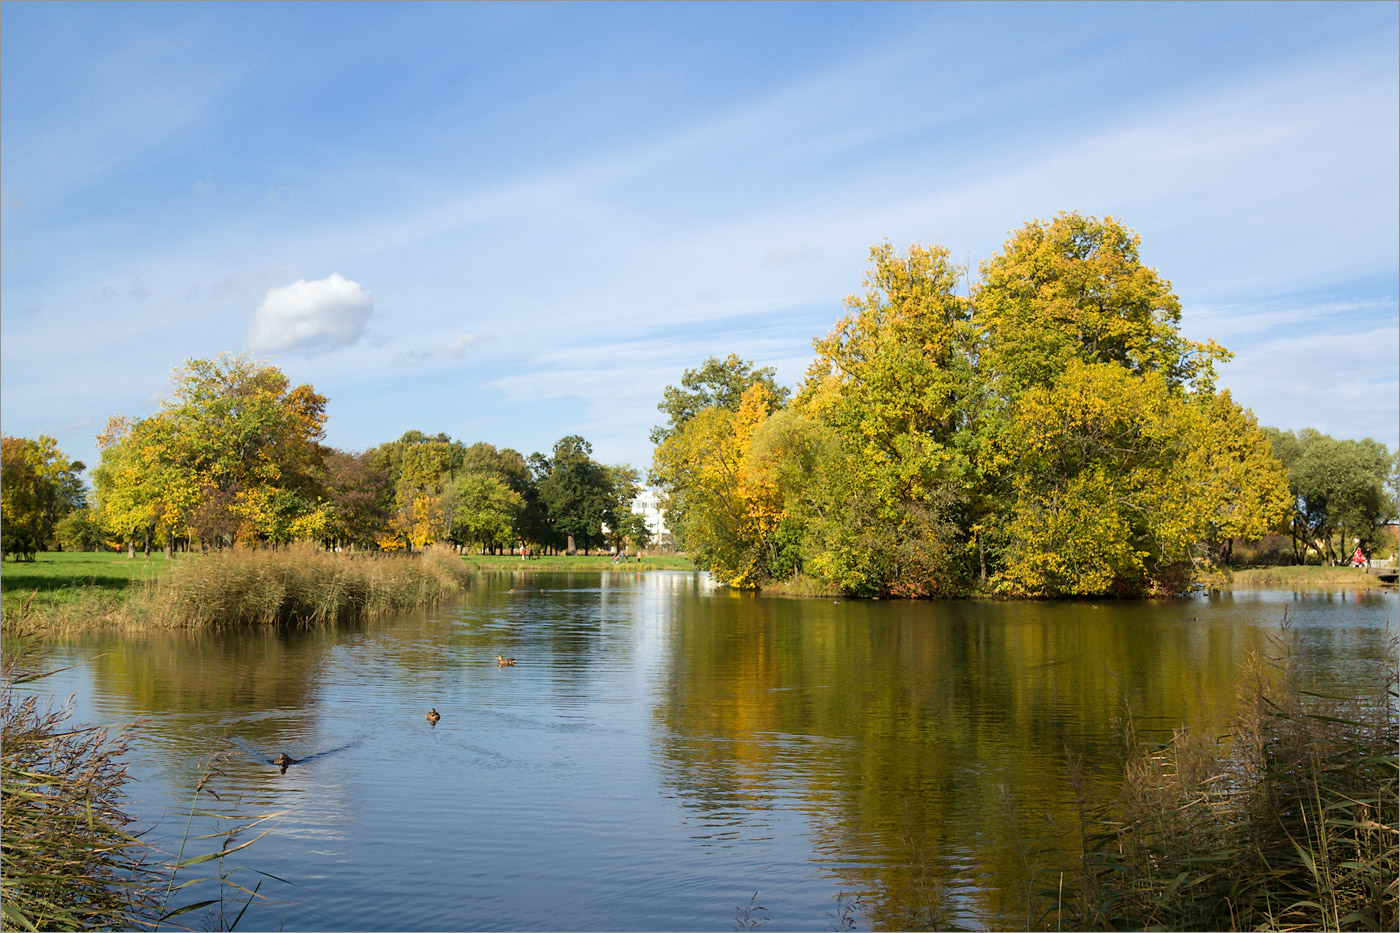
{"x":73,"y":589}
{"x":67,"y":569}
{"x":579,"y":562}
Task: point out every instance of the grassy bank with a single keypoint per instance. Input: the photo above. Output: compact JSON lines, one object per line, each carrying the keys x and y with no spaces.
{"x":297,"y":585}
{"x":578,"y":562}
{"x":1302,"y":577}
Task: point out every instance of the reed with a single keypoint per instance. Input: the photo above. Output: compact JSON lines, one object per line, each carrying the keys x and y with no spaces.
{"x":70,"y":859}
{"x":70,"y":862}
{"x":299,"y":585}
{"x":1287,"y":822}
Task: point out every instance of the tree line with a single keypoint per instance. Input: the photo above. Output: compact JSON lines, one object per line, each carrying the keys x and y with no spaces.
{"x":1046,"y":431}
{"x":234,"y":457}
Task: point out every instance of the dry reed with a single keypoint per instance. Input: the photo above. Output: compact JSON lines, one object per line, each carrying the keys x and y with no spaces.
{"x":299,"y":585}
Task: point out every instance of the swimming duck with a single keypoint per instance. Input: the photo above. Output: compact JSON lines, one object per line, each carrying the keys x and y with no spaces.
{"x":433,"y":716}
{"x":502,"y":661}
{"x":283,"y":760}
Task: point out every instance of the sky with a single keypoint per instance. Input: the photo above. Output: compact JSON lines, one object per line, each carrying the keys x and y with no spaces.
{"x":512,"y":223}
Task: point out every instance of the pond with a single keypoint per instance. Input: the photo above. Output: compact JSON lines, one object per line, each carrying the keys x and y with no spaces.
{"x":666,"y":754}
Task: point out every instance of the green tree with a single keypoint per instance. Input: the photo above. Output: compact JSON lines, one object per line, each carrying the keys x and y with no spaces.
{"x":1339,"y":491}
{"x":730,"y":514}
{"x":484,"y":510}
{"x":420,"y":468}
{"x":893,"y":382}
{"x":718,"y":383}
{"x":576,"y":492}
{"x":38,"y":487}
{"x":79,"y":531}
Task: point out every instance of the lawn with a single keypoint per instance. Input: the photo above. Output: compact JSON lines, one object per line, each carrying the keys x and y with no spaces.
{"x":72,"y":585}
{"x":1303,"y":577}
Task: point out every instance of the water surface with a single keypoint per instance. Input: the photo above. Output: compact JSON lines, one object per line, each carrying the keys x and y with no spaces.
{"x":664,"y":749}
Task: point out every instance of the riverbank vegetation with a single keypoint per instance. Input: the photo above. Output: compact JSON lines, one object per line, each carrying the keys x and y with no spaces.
{"x":1286,"y":822}
{"x":73,"y":860}
{"x":1306,"y":577}
{"x":564,"y":563}
{"x":299,"y":584}
{"x":70,"y":862}
{"x":1046,"y":431}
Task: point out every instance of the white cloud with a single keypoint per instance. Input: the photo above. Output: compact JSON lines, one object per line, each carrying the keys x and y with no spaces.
{"x":326,"y":314}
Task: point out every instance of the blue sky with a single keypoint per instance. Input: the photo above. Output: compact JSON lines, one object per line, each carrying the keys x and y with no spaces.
{"x":516,"y":222}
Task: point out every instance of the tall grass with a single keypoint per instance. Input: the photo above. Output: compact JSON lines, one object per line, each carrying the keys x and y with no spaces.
{"x":299,"y":585}
{"x":70,"y":859}
{"x":69,"y":862}
{"x":1287,"y":822}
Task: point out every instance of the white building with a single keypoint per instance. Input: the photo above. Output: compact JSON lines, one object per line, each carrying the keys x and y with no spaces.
{"x":648,"y":505}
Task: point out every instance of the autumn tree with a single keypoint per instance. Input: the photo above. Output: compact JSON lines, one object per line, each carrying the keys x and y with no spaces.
{"x":38,"y":487}
{"x":717,"y":383}
{"x":1076,"y":289}
{"x":420,"y":468}
{"x":730,"y":512}
{"x":893,"y":382}
{"x":1051,"y":432}
{"x":234,"y":448}
{"x":360,"y":496}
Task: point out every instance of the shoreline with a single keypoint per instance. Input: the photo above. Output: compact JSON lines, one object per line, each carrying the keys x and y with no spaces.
{"x":66,"y":591}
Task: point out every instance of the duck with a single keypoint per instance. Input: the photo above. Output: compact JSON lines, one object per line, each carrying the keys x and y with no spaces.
{"x":433,"y":716}
{"x":503,"y":661}
{"x":283,"y":760}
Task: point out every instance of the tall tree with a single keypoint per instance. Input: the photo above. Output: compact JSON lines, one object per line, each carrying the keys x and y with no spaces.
{"x":38,"y":487}
{"x":718,"y":383}
{"x":421,"y":469}
{"x":234,"y":444}
{"x":361,"y":498}
{"x":575,"y":491}
{"x":1076,"y":289}
{"x":484,"y":510}
{"x":730,"y":513}
{"x":1339,"y":490}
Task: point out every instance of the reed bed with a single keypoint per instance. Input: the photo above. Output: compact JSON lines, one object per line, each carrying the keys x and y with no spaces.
{"x":1287,"y":822}
{"x":70,"y":863}
{"x":299,"y":585}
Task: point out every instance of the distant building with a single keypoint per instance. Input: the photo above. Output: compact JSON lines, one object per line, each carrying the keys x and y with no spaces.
{"x":648,"y":505}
